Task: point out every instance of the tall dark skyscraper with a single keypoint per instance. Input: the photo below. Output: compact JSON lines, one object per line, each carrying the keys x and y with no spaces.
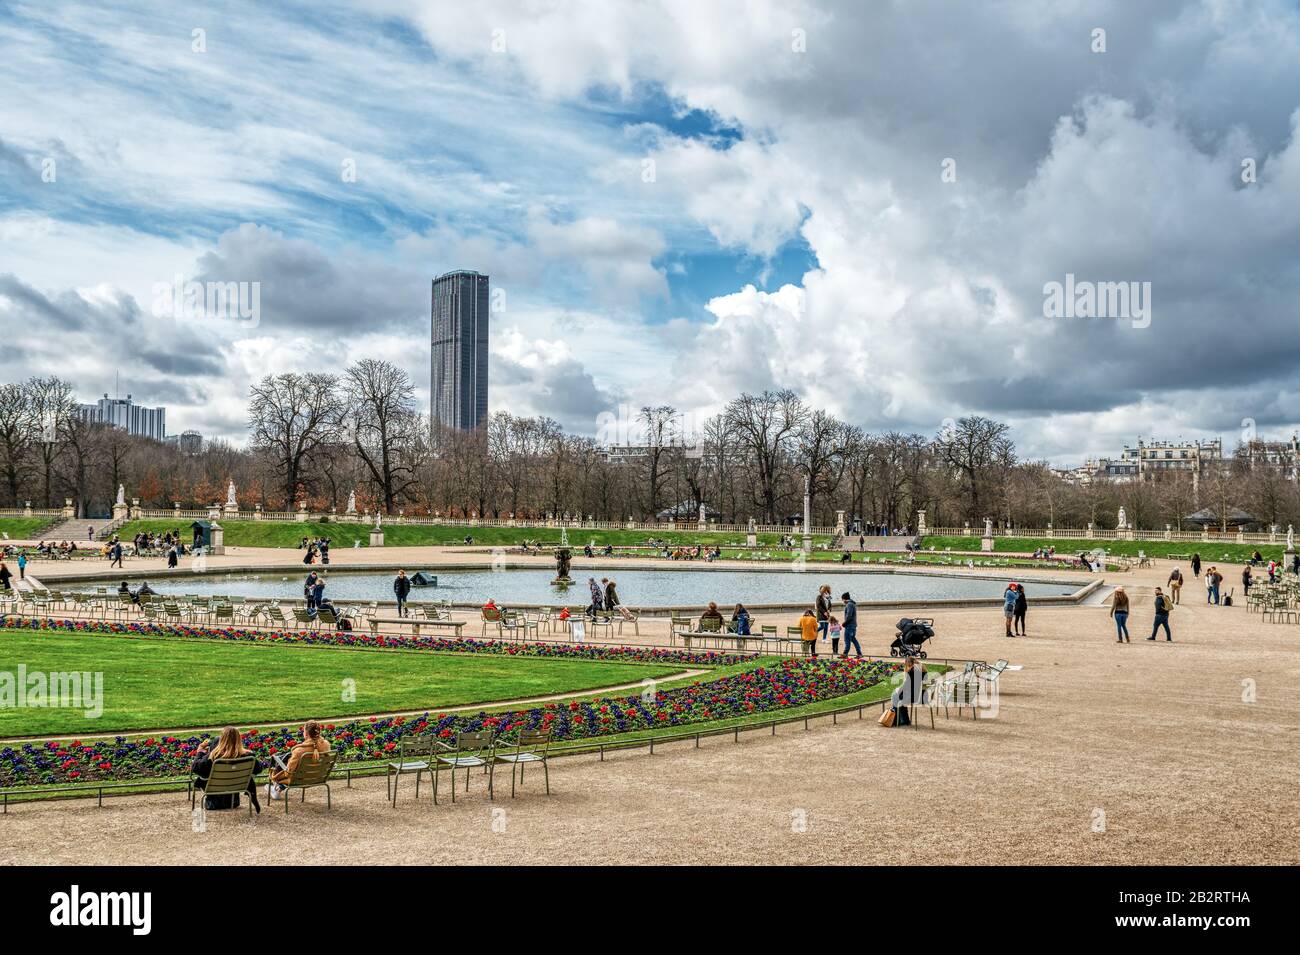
{"x":458,"y":382}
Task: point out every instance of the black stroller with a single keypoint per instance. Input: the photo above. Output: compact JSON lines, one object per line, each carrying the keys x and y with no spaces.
{"x":912,"y":634}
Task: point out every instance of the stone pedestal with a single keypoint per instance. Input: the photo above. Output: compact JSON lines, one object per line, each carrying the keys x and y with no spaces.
{"x":68,"y":510}
{"x":920,"y":523}
{"x":27,"y":509}
{"x":1089,"y":530}
{"x":1288,"y":558}
{"x":376,"y":537}
{"x":257,"y":512}
{"x":986,"y":544}
{"x":230,"y":512}
{"x":839,"y":522}
{"x":301,"y":516}
{"x":1051,"y":533}
{"x":218,"y":546}
{"x":176,"y":510}
{"x":751,"y":539}
{"x":121,"y":511}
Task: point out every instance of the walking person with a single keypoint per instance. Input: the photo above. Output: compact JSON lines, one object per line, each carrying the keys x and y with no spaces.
{"x":401,"y":590}
{"x":1246,"y":580}
{"x":808,"y":633}
{"x":5,"y":576}
{"x":1119,"y":610}
{"x":1022,"y":605}
{"x":597,"y":599}
{"x":834,"y":631}
{"x":1196,"y":565}
{"x":22,"y":566}
{"x":1163,"y":606}
{"x":850,"y":625}
{"x":1009,"y":607}
{"x":611,"y":595}
{"x":1175,"y":583}
{"x":117,"y":555}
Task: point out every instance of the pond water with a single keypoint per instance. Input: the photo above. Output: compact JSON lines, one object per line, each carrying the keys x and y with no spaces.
{"x":636,"y":588}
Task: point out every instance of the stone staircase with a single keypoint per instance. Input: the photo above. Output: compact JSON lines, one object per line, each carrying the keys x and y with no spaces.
{"x":74,"y":529}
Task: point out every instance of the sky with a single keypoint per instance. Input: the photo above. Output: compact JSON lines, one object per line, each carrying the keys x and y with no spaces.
{"x":866,"y":202}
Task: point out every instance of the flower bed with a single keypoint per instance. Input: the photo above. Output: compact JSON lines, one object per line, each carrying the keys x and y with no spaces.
{"x":764,"y":689}
{"x":344,"y":638}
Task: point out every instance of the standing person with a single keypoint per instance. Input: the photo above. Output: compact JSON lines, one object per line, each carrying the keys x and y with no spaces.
{"x":823,"y":609}
{"x":1009,"y":607}
{"x":401,"y":590}
{"x":22,"y":566}
{"x":808,"y":633}
{"x":834,"y":631}
{"x":1295,"y":564}
{"x":318,"y":596}
{"x":1022,"y":605}
{"x":5,"y":576}
{"x":911,"y":692}
{"x":611,"y":595}
{"x":850,"y":625}
{"x":1119,"y":610}
{"x":171,"y":557}
{"x":1272,"y":571}
{"x":1246,"y":579}
{"x":862,"y":542}
{"x":1175,"y":583}
{"x":90,"y":533}
{"x":117,"y":555}
{"x":1212,"y":580}
{"x":1163,"y":606}
{"x":597,"y":600}
{"x":309,"y":590}
{"x":1196,"y":565}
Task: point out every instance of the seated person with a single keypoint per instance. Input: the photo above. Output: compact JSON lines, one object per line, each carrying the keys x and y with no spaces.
{"x":144,"y":589}
{"x":711,"y":614}
{"x":740,"y":620}
{"x":313,"y":746}
{"x":229,"y":746}
{"x":846,"y":558}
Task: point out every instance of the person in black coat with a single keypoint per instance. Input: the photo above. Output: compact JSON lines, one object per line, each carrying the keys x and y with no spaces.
{"x":1018,"y":612}
{"x":401,"y":589}
{"x":229,"y":746}
{"x":911,"y":692}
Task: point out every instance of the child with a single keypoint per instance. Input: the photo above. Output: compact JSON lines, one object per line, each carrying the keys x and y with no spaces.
{"x":835,"y":630}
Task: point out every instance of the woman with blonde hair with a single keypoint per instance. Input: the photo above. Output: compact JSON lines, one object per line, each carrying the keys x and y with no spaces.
{"x":229,"y":746}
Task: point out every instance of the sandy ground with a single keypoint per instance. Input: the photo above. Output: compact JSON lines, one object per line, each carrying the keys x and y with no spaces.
{"x":1098,"y":753}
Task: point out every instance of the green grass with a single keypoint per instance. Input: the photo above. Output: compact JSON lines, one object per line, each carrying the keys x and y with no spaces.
{"x":25,"y":528}
{"x":1209,"y":550}
{"x":282,"y":534}
{"x":154,"y":683}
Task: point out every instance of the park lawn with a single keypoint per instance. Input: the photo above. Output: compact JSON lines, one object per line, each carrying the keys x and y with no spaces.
{"x":23,"y":528}
{"x":1209,"y":550}
{"x":342,"y":534}
{"x":159,"y":683}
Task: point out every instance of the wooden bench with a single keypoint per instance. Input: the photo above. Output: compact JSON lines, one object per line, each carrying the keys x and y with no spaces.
{"x":414,"y":623}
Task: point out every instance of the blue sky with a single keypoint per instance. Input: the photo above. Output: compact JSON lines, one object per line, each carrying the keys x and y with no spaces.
{"x":679,"y":202}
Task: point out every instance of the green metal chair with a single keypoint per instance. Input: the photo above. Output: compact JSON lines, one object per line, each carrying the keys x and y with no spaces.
{"x":414,"y":755}
{"x":309,"y":774}
{"x":229,"y":777}
{"x":530,"y":747}
{"x":471,"y":749}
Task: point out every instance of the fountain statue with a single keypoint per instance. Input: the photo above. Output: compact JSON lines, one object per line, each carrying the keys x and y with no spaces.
{"x":563,"y":556}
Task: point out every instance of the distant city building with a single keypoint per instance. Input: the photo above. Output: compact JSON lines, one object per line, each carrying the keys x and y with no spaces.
{"x":458,"y":383}
{"x":124,"y":413}
{"x":1284,"y":456}
{"x":1149,"y":459}
{"x":188,"y":442}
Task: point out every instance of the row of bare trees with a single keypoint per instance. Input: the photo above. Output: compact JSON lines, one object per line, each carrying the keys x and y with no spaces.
{"x":316,"y":438}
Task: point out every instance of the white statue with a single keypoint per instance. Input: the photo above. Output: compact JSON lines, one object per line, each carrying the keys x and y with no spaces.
{"x":1290,"y":537}
{"x":352,"y":502}
{"x":121,"y":494}
{"x":230,"y":494}
{"x":1123,"y":518}
{"x":988,"y":527}
{"x":703,"y":519}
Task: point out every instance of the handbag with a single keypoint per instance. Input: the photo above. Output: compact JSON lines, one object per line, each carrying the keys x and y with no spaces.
{"x":887,"y":718}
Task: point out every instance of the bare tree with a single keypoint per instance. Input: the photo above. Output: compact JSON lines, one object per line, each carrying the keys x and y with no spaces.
{"x":977,"y":449}
{"x":384,"y":426}
{"x":289,"y":417}
{"x":765,"y":426}
{"x":19,"y":431}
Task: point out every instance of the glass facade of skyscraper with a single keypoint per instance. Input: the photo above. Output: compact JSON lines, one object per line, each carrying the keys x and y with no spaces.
{"x":458,"y":381}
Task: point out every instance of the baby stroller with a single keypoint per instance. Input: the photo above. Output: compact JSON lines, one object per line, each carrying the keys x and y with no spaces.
{"x":912,"y":633}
